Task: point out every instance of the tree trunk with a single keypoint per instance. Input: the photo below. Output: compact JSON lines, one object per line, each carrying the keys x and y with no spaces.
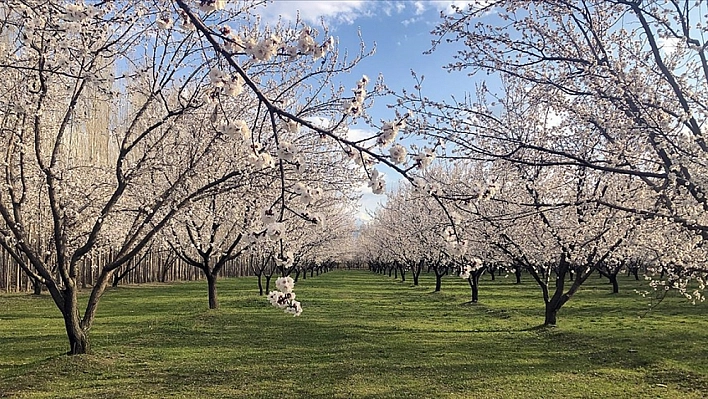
{"x":438,"y":281}
{"x":260,"y":284}
{"x":395,"y":273}
{"x":268,"y":281}
{"x":36,"y":287}
{"x":551,"y":313}
{"x":213,"y":299}
{"x":473,"y":280}
{"x":78,"y":338}
{"x":615,"y":283}
{"x":517,"y":272}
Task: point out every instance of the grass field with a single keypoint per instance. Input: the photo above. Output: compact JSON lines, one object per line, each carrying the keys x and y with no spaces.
{"x":361,"y":335}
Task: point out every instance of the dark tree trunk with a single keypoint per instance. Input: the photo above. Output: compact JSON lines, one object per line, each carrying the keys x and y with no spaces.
{"x":615,"y":283}
{"x":389,"y":271}
{"x":268,"y":277}
{"x":517,"y":272}
{"x":36,"y":287}
{"x":297,"y":274}
{"x":551,"y":313}
{"x":417,"y":269}
{"x":438,"y":281}
{"x":260,"y":283}
{"x":473,"y":281}
{"x":213,"y":299}
{"x":395,"y":273}
{"x":78,"y":338}
{"x":635,"y":273}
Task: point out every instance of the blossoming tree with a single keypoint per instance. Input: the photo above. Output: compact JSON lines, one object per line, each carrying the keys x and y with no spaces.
{"x":177,"y":84}
{"x":617,"y":87}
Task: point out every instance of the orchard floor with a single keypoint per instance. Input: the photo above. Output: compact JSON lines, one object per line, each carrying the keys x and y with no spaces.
{"x":361,"y":335}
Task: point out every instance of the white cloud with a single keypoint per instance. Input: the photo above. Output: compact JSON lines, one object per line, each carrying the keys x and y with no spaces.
{"x":669,"y":44}
{"x":419,"y":7}
{"x":448,"y":6}
{"x":332,"y":11}
{"x":368,"y":204}
{"x":412,"y":20}
{"x":355,"y":134}
{"x":348,"y":11}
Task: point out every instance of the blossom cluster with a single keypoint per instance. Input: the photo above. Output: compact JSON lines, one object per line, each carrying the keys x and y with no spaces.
{"x":78,"y":12}
{"x":306,"y":45}
{"x":473,"y":265}
{"x":421,"y":186}
{"x":260,"y":159}
{"x":284,"y":297}
{"x":272,"y":45}
{"x":211,"y":5}
{"x":377,"y":183}
{"x":307,"y":194}
{"x":287,"y":151}
{"x":389,"y":131}
{"x":229,"y":85}
{"x":398,"y":154}
{"x":237,"y":129}
{"x":424,"y":158}
{"x":355,"y":107}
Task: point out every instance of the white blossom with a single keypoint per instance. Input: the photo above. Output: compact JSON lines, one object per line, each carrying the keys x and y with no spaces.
{"x":377,"y":183}
{"x":398,"y":154}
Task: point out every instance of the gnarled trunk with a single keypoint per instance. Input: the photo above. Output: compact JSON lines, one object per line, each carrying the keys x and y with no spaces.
{"x":78,"y":337}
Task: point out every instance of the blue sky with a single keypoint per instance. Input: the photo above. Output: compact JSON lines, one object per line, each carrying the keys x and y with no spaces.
{"x":401,"y":32}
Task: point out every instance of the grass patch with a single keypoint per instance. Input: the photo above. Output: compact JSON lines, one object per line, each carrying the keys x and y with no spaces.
{"x":361,"y":335}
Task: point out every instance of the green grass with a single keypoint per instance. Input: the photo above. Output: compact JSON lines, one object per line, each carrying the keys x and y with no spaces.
{"x":361,"y":335}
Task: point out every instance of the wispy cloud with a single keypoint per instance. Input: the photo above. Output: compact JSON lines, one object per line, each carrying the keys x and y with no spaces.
{"x":313,"y":12}
{"x":356,"y":134}
{"x":413,"y":20}
{"x":368,"y":202}
{"x":348,"y":11}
